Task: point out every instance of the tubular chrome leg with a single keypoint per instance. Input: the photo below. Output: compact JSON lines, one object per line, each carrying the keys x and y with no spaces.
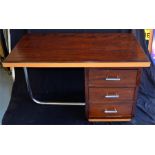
{"x":9,"y":49}
{"x":44,"y":102}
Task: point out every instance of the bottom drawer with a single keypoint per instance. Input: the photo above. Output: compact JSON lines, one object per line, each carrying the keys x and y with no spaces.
{"x":115,"y":110}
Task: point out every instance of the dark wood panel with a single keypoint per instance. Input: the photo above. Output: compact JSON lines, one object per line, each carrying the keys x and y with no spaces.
{"x":102,"y":95}
{"x":126,"y":88}
{"x":77,"y":48}
{"x":100,"y":78}
{"x":103,"y":111}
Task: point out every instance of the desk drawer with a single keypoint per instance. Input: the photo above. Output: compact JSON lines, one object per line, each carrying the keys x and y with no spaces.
{"x":112,"y":78}
{"x":111,"y":111}
{"x":100,"y":95}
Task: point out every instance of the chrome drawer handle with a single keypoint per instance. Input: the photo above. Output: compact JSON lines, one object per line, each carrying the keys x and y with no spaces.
{"x":113,"y":79}
{"x":110,"y":111}
{"x":112,"y":96}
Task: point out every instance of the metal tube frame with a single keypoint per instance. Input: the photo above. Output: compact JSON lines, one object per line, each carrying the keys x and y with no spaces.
{"x":45,"y":102}
{"x":9,"y":49}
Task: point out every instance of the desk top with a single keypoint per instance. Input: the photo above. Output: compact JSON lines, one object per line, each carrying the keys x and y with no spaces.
{"x":77,"y":50}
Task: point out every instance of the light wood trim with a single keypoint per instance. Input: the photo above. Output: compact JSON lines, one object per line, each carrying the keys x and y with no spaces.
{"x":76,"y":65}
{"x":109,"y":120}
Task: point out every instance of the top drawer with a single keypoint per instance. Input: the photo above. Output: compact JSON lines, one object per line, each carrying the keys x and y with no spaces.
{"x":112,"y":78}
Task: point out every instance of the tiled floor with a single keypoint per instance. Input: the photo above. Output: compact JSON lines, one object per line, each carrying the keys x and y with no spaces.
{"x":5,"y":91}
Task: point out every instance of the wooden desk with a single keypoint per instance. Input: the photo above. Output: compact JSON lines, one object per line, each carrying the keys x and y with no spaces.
{"x":112,"y":63}
{"x":77,"y":50}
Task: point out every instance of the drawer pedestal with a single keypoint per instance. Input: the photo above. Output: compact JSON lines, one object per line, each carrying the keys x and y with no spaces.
{"x":111,"y":93}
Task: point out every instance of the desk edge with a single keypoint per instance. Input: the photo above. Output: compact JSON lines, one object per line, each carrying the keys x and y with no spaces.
{"x":77,"y":65}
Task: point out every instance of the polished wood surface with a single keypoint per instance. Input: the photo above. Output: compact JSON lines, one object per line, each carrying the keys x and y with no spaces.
{"x":97,"y":88}
{"x":97,"y":77}
{"x":120,"y":53}
{"x":123,"y":110}
{"x":98,"y":95}
{"x":77,"y":50}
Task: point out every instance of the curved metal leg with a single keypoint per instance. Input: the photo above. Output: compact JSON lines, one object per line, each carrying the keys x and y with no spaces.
{"x":44,"y":102}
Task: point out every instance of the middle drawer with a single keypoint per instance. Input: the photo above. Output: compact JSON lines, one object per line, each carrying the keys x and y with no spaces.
{"x":99,"y":95}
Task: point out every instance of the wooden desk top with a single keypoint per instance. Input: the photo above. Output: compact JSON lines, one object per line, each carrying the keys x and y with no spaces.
{"x":77,"y":50}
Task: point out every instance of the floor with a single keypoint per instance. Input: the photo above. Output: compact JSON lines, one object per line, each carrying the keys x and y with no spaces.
{"x":6,"y":83}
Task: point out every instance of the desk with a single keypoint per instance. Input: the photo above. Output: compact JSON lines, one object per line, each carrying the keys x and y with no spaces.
{"x":112,"y":63}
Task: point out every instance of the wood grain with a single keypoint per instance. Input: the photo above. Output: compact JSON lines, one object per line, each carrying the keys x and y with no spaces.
{"x":97,"y":95}
{"x":77,"y":50}
{"x":97,"y":77}
{"x":98,"y":88}
{"x":123,"y":110}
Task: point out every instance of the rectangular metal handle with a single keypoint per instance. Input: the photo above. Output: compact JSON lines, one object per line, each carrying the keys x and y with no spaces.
{"x":112,"y":96}
{"x":112,"y":79}
{"x":110,"y":111}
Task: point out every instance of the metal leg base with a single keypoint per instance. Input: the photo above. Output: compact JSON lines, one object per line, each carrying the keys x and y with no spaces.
{"x":44,"y":102}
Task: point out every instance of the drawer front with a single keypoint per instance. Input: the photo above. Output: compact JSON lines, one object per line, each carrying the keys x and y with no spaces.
{"x":112,"y":78}
{"x":112,"y":111}
{"x":101,"y":95}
